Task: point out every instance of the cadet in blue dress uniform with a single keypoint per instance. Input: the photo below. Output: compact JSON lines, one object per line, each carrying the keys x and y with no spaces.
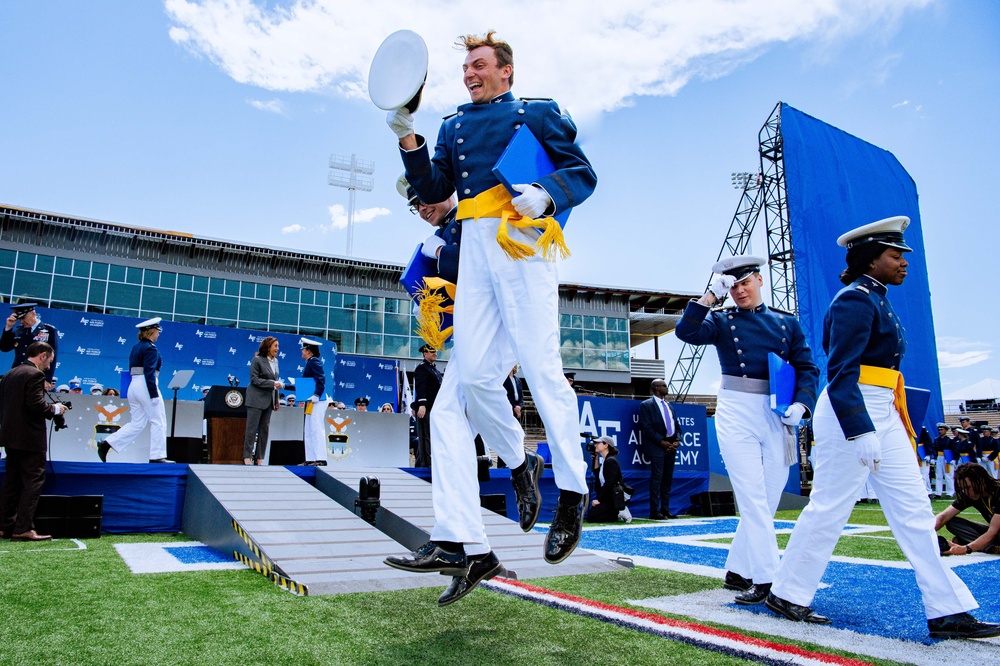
{"x":752,"y":436}
{"x":21,"y":329}
{"x":144,"y":399}
{"x":499,"y":303}
{"x":988,"y":449}
{"x":314,"y":426}
{"x":863,"y":433}
{"x":943,"y":452}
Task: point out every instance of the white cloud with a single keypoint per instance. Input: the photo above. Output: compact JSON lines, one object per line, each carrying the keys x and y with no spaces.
{"x":591,"y":55}
{"x":960,"y":352}
{"x":292,"y":229}
{"x":899,"y":104}
{"x":962,"y":360}
{"x":338,"y":216}
{"x":271,"y":105}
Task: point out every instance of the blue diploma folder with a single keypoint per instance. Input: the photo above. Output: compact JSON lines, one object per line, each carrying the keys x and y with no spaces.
{"x":917,"y":401}
{"x":416,"y":270}
{"x":524,"y":160}
{"x":782,"y":382}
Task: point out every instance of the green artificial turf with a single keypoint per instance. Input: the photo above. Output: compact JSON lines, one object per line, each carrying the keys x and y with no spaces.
{"x":86,"y":607}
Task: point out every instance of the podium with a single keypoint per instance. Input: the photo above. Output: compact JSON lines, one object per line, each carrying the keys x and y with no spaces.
{"x":226,"y":413}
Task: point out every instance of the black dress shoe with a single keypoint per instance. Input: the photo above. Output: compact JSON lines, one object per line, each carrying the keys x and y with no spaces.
{"x":754,"y":595}
{"x":669,"y":516}
{"x":736,"y":582}
{"x":430,"y":558}
{"x":961,"y":625}
{"x":564,"y":532}
{"x":480,"y":569}
{"x":102,"y":451}
{"x":656,"y":515}
{"x":794,"y":612}
{"x":529,"y":499}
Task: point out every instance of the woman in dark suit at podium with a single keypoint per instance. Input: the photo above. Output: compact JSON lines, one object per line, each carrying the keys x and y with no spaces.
{"x":262,"y":397}
{"x":607,"y":475}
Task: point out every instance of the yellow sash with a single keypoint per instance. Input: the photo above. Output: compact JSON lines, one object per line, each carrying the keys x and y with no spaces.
{"x":495,"y":202}
{"x":874,"y":376}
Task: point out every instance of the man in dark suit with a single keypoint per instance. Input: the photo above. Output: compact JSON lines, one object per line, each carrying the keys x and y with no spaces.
{"x":23,"y":410}
{"x":427,"y":381}
{"x":661,"y":435}
{"x":515,"y":392}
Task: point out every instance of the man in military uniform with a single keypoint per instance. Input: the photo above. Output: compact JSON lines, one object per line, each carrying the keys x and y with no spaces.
{"x":943,"y":453}
{"x":987,"y":448}
{"x":752,"y":437}
{"x":24,"y":327}
{"x":427,"y":382}
{"x":500,"y":302}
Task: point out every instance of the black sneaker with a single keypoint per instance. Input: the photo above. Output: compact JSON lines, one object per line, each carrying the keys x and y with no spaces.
{"x":102,"y":451}
{"x":961,"y":625}
{"x":431,"y":558}
{"x":564,"y":532}
{"x":529,"y":498}
{"x":736,"y":582}
{"x":484,"y":568}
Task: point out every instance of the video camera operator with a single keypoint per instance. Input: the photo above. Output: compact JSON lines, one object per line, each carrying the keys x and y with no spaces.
{"x":23,"y":410}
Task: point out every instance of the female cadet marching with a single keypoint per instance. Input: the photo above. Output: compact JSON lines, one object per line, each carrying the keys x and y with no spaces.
{"x":751,"y":435}
{"x":144,"y":398}
{"x":863,"y":434}
{"x":314,"y":431}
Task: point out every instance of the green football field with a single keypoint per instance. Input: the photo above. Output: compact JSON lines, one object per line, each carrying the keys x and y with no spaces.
{"x":65,"y":605}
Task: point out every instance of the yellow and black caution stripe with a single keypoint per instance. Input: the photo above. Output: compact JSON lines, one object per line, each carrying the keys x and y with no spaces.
{"x":253,"y":564}
{"x":253,"y":547}
{"x":289,"y":584}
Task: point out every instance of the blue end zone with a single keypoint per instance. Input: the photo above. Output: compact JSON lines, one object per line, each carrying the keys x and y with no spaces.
{"x":864,"y":598}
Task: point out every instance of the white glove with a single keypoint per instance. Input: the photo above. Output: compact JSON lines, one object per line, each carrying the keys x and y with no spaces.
{"x":313,"y":398}
{"x":721,"y":284}
{"x":927,"y":459}
{"x":532,"y":202}
{"x":430,"y":247}
{"x":793,"y":414}
{"x":400,"y":122}
{"x":59,"y":408}
{"x":156,"y":400}
{"x":869,"y":450}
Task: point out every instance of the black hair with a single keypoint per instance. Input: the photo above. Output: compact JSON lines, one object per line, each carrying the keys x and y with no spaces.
{"x":859,"y":260}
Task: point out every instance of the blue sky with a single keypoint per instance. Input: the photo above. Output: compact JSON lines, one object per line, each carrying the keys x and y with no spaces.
{"x":218,"y":118}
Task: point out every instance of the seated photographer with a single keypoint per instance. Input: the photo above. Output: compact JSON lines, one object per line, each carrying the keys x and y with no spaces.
{"x":974,"y":488}
{"x":607,"y":482}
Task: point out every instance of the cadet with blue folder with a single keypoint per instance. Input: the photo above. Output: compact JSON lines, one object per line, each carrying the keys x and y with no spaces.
{"x":863,"y":433}
{"x":507,"y":297}
{"x":751,"y":435}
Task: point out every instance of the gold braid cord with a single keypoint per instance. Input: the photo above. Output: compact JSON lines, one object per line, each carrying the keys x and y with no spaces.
{"x":433,"y":302}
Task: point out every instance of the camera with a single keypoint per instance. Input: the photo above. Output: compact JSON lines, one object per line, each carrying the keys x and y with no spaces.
{"x":591,"y":442}
{"x":59,"y":421}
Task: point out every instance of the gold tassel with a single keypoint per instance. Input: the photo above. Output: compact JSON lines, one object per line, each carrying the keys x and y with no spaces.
{"x":430,"y":316}
{"x":516,"y":250}
{"x":552,"y":243}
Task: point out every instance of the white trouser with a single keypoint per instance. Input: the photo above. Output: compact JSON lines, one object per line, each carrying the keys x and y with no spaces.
{"x":752,"y":446}
{"x":501,"y":306}
{"x":925,"y":472}
{"x":944,"y":474}
{"x":497,"y":296}
{"x":987,"y":465}
{"x":144,"y":409}
{"x":314,"y":432}
{"x":455,"y":487}
{"x":907,"y":509}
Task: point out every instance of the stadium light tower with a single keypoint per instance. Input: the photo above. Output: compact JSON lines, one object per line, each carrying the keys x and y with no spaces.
{"x":351,"y":174}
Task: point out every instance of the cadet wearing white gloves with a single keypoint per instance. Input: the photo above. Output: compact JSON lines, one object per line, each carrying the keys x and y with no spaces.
{"x":751,"y":435}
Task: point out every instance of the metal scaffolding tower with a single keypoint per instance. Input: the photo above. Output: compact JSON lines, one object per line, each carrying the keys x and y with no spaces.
{"x":763,"y":192}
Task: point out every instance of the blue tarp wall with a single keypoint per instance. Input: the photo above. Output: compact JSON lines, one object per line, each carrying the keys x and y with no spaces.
{"x":836,"y":182}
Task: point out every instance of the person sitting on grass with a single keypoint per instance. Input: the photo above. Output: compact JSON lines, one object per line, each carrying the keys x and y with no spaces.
{"x":974,"y":488}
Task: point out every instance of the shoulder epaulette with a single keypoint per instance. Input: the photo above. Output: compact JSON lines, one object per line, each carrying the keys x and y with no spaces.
{"x":535,"y":99}
{"x":450,"y":115}
{"x":863,"y":288}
